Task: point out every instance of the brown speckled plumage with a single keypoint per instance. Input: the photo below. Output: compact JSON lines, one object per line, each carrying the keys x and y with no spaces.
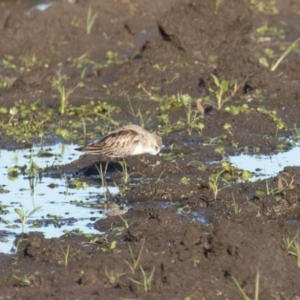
{"x":126,"y":141}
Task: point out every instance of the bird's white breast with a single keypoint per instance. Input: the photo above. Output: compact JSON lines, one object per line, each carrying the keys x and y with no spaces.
{"x":139,"y":149}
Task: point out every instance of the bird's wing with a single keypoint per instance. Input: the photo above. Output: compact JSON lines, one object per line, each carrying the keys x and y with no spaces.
{"x":119,"y":143}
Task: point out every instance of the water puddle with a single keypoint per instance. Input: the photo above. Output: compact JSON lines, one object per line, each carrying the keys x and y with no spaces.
{"x":61,"y":206}
{"x":54,"y":206}
{"x":40,"y":7}
{"x":265,"y":166}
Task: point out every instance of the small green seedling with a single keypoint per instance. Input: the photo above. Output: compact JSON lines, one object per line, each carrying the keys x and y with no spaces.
{"x":214,"y":183}
{"x":102,"y":178}
{"x":126,"y":223}
{"x":242,"y":292}
{"x":228,"y":127}
{"x":90,"y":20}
{"x":65,"y":253}
{"x":280,"y":124}
{"x":77,"y":184}
{"x":292,"y":245}
{"x":237,"y":109}
{"x":24,"y":215}
{"x":113,"y":276}
{"x":193,"y":117}
{"x":58,"y":83}
{"x":267,"y":7}
{"x":125,"y":171}
{"x":23,"y":280}
{"x":185,"y":180}
{"x":235,"y":206}
{"x":147,"y":279}
{"x":109,"y":246}
{"x":143,"y":120}
{"x":246,"y":175}
{"x":136,"y":260}
{"x":284,"y":54}
{"x":222,"y":88}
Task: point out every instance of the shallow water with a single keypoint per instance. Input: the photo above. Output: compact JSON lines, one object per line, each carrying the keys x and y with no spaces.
{"x":41,"y":6}
{"x":50,"y":190}
{"x":57,"y":212}
{"x":265,"y":166}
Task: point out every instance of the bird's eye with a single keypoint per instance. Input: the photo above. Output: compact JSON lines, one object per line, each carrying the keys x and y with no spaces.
{"x":156,"y":148}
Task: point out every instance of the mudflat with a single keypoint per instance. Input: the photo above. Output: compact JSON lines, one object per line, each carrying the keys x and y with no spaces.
{"x":212,"y":79}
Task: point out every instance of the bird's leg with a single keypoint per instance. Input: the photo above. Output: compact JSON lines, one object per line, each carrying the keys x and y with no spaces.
{"x":105,"y":169}
{"x":104,"y":182}
{"x":125,"y":170}
{"x":102,"y":174}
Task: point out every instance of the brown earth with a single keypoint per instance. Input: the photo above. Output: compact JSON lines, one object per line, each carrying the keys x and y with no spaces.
{"x":187,"y":40}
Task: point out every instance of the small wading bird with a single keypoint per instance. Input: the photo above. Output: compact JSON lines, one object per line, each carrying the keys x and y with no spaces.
{"x":126,"y":141}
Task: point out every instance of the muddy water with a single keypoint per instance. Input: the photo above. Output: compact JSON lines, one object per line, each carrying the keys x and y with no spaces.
{"x":62,"y":208}
{"x":67,"y":209}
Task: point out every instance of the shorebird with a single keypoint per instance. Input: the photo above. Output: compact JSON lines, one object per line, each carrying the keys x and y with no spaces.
{"x":125,"y":141}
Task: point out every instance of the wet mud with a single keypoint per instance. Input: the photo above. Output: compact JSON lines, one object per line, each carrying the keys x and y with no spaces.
{"x":196,"y":228}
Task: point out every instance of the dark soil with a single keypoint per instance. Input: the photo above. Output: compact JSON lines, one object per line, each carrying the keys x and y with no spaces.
{"x":189,"y":40}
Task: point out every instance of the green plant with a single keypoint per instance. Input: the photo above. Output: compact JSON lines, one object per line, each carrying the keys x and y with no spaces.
{"x":126,"y":175}
{"x":7,"y":82}
{"x":138,"y":114}
{"x":242,"y":292}
{"x":278,"y":192}
{"x":196,"y":261}
{"x":24,"y":120}
{"x":270,"y":191}
{"x":77,"y":184}
{"x":101,"y":174}
{"x":126,"y":223}
{"x":288,"y":184}
{"x":23,"y":280}
{"x":235,"y":206}
{"x":28,"y":62}
{"x":112,"y":276}
{"x":228,"y":127}
{"x":65,"y":253}
{"x":13,"y":173}
{"x":75,"y":22}
{"x":84,"y":129}
{"x":24,"y":215}
{"x":222,"y":88}
{"x":272,"y":114}
{"x":264,"y":6}
{"x":109,"y":246}
{"x":266,"y":31}
{"x":284,"y":54}
{"x":246,"y":175}
{"x":112,"y":58}
{"x":90,"y":20}
{"x":292,"y":245}
{"x":136,"y":260}
{"x":146,"y":279}
{"x":185,"y":180}
{"x":58,"y":82}
{"x":235,"y":109}
{"x":214,"y":183}
{"x":193,"y":117}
